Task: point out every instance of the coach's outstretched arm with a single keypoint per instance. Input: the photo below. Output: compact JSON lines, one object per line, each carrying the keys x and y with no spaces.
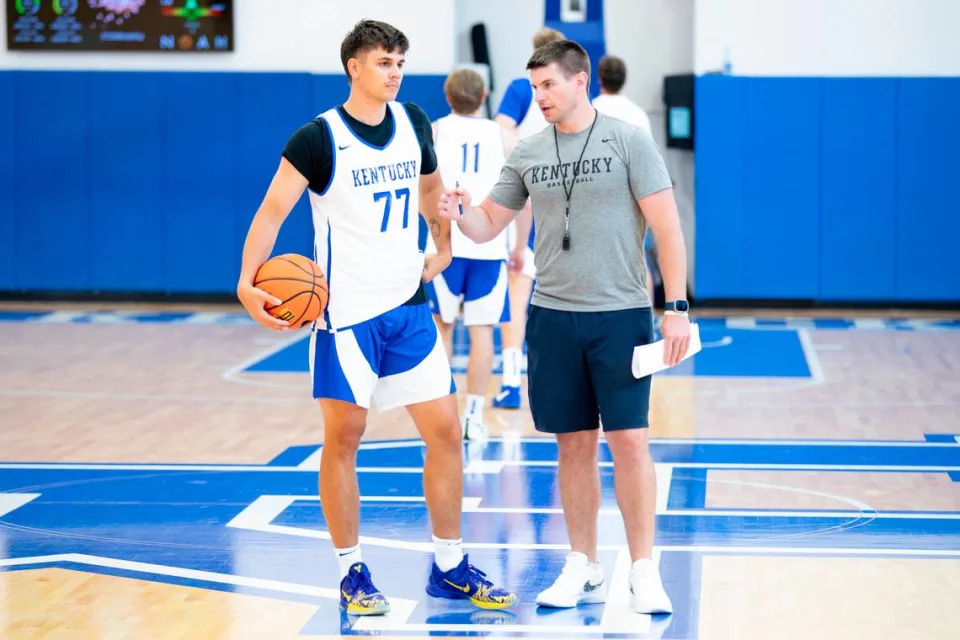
{"x":285,"y":189}
{"x":480,"y":224}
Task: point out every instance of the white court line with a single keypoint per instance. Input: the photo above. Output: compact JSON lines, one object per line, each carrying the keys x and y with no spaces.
{"x":312,"y":462}
{"x":813,"y":443}
{"x":233,"y":373}
{"x":401,"y":608}
{"x":61,"y":317}
{"x":761,"y":513}
{"x":99,"y":395}
{"x":522,"y":463}
{"x":725,"y":341}
{"x":12,"y":501}
{"x":741,"y":323}
{"x":43,"y":466}
{"x":664,"y":474}
{"x":207,"y":317}
{"x":810,"y":352}
{"x":869,"y":324}
{"x":497,"y":629}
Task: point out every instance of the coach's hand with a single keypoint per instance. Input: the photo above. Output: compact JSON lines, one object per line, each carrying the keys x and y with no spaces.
{"x":255,"y":300}
{"x":434,"y":263}
{"x":676,"y":338}
{"x":454,"y":204}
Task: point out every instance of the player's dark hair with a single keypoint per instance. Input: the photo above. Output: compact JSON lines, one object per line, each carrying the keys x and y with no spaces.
{"x":612,"y":72}
{"x":567,"y":54}
{"x":371,"y":34}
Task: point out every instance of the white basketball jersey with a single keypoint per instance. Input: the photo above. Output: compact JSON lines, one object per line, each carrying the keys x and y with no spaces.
{"x":470,"y":151}
{"x":533,"y":121}
{"x":365,"y":223}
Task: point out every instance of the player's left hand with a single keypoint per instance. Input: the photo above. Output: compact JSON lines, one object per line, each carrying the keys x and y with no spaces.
{"x":434,"y":263}
{"x":676,"y":338}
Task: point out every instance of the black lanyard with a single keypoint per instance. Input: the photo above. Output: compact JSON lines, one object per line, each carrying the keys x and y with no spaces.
{"x":573,"y":179}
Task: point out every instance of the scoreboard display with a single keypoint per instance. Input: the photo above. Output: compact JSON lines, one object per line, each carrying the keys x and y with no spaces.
{"x":120,"y":25}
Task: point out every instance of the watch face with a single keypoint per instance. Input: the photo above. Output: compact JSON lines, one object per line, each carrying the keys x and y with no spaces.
{"x":681,"y":305}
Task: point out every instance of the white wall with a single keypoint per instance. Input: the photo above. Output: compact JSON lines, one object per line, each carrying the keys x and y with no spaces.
{"x":510,"y":28}
{"x":829,"y":37}
{"x":655,"y":39}
{"x":304,"y":35}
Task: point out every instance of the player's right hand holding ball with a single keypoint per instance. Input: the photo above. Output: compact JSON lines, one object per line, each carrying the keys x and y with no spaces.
{"x":255,"y":301}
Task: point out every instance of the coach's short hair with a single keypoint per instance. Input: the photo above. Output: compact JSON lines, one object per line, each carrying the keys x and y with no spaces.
{"x":567,"y":54}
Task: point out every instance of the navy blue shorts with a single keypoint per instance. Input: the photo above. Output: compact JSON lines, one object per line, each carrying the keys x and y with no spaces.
{"x":578,"y":369}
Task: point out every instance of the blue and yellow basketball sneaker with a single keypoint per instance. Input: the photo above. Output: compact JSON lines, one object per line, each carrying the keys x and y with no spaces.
{"x":358,"y":596}
{"x":466,"y":582}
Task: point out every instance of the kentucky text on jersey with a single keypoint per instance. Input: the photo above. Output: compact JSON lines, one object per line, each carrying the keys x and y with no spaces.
{"x":385,"y":173}
{"x":558,"y":171}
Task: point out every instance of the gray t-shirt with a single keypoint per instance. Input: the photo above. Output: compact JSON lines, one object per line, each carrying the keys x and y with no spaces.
{"x":603,"y":270}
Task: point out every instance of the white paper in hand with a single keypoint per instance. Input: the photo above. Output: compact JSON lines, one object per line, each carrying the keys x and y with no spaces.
{"x":648,"y":359}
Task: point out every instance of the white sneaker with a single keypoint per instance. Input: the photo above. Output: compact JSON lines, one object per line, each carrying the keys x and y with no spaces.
{"x":580,"y":581}
{"x":648,"y":595}
{"x":472,"y":428}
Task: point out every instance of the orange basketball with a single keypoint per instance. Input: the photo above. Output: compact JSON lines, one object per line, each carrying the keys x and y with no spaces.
{"x":299,"y":282}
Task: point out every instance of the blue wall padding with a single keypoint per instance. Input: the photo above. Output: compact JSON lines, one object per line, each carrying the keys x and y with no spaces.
{"x":827,"y":189}
{"x":148,"y":181}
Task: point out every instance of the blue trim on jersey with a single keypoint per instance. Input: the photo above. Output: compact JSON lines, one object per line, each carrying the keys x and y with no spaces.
{"x":333,"y":153}
{"x":357,"y":135}
{"x":326,"y":310}
{"x":516,"y":100}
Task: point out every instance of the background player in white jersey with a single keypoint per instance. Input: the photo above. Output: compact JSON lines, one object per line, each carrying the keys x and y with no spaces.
{"x":368,"y":164}
{"x":613,"y":75}
{"x":519,"y":115}
{"x":471,"y":151}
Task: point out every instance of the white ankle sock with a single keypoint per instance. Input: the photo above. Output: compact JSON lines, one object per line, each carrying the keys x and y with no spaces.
{"x":449,"y":553}
{"x":475,"y":406}
{"x":347,"y":558}
{"x":512,"y":359}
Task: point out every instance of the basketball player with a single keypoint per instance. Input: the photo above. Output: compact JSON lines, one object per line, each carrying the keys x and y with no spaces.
{"x":595,"y":182}
{"x":520,"y":116}
{"x":471,"y":151}
{"x":613,"y":75}
{"x":368,"y":164}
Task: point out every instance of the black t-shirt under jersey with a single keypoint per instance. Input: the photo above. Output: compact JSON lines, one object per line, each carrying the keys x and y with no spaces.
{"x":310,"y":151}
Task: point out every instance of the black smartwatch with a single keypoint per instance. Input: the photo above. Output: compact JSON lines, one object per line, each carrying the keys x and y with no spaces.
{"x":678,"y":306}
